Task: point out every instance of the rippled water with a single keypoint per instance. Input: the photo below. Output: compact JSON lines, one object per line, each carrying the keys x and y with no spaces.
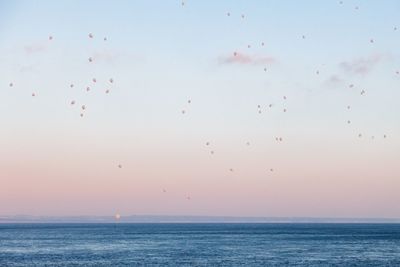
{"x":200,"y":244}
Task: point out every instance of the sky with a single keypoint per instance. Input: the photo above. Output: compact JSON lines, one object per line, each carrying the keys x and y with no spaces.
{"x":210,"y":108}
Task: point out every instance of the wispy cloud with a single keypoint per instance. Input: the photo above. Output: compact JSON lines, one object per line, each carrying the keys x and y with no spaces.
{"x":107,"y":56}
{"x":112,"y":56}
{"x":34,"y":48}
{"x":27,"y":68}
{"x":334,"y":80}
{"x":361,"y":66}
{"x":246,"y":59}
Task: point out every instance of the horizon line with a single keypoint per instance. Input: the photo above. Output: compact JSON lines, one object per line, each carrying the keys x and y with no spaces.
{"x":188,"y":219}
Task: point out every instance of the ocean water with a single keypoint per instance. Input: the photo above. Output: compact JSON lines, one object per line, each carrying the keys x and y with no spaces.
{"x":200,"y":244}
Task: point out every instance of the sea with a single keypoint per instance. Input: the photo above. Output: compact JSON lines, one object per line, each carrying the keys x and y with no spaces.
{"x":200,"y":244}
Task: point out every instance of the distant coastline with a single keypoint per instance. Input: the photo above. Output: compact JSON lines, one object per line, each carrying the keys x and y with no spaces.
{"x":186,"y":219}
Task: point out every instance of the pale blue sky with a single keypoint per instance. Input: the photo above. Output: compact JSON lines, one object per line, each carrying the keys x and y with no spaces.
{"x":160,"y":54}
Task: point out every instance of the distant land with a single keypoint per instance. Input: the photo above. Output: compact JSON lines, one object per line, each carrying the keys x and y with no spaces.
{"x":186,"y":219}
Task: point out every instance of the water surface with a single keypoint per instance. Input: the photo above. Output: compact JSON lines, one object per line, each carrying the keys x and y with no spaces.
{"x":213,"y":244}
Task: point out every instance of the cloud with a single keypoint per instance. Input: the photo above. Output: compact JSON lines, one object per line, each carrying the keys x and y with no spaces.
{"x":334,"y":80}
{"x":112,"y":57}
{"x":27,"y":68}
{"x":361,"y":66}
{"x":245,"y":59}
{"x":105,"y":55}
{"x":34,"y":48}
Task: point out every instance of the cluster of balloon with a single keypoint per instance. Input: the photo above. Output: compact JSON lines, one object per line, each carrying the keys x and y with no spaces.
{"x":93,"y":79}
{"x":259,"y":107}
{"x":189,"y":101}
{"x":208,"y":145}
